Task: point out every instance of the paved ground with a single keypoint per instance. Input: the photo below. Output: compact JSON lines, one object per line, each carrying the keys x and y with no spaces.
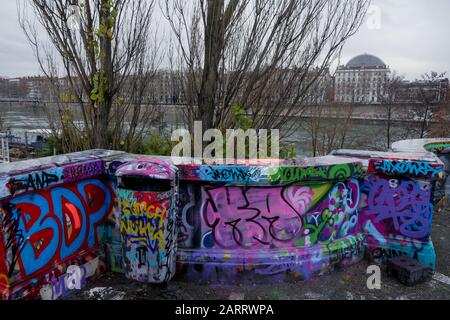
{"x":349,"y":284}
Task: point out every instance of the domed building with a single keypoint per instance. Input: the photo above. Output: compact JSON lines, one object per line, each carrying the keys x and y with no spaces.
{"x":361,"y":80}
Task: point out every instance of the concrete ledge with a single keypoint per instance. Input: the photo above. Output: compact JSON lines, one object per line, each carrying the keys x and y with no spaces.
{"x":422,"y":145}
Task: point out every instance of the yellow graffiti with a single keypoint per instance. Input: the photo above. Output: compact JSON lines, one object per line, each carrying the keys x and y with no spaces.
{"x":150,"y":211}
{"x":142,"y":229}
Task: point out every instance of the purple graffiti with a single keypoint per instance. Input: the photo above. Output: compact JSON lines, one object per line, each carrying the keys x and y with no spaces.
{"x":255,"y":217}
{"x":86,"y":170}
{"x":294,"y":216}
{"x":405,"y":203}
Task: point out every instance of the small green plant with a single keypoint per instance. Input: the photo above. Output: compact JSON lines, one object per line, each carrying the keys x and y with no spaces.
{"x":242,"y":121}
{"x":157,"y":145}
{"x":100,"y":86}
{"x":52,"y":146}
{"x":239,"y":118}
{"x":287,"y":151}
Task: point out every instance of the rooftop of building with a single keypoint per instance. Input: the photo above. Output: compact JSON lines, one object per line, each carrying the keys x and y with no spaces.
{"x":365,"y":61}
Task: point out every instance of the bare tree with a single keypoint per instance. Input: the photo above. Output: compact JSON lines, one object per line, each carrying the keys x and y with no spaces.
{"x":258,"y":54}
{"x":387,"y":93}
{"x":106,"y":56}
{"x":328,"y":127}
{"x":441,"y":124}
{"x":2,"y":123}
{"x":326,"y":121}
{"x":428,"y":99}
{"x":413,"y":104}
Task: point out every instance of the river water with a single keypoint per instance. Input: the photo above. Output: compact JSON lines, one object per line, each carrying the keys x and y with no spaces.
{"x":370,"y":135}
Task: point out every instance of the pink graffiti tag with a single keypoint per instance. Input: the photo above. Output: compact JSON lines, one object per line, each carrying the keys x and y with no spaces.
{"x":153,"y":168}
{"x":249,"y":217}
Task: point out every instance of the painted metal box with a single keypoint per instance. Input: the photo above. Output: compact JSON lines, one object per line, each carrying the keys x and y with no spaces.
{"x":147,"y":199}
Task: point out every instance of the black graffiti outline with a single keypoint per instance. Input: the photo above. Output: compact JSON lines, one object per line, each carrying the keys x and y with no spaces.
{"x":236,"y":232}
{"x":34,"y":181}
{"x":16,"y":240}
{"x":168,"y":247}
{"x":234,"y":223}
{"x":186,"y":203}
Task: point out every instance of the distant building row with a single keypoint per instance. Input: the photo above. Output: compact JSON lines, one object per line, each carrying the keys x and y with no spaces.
{"x":365,"y":79}
{"x":164,"y":88}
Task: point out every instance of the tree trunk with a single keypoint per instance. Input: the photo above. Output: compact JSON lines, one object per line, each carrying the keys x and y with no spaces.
{"x":106,"y":71}
{"x":424,"y":123}
{"x":389,"y":122}
{"x":214,"y":38}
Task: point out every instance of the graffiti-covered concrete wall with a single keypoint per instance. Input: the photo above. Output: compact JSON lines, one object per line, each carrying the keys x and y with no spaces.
{"x":64,"y":219}
{"x":309,"y":217}
{"x":52,"y":210}
{"x":268,"y":220}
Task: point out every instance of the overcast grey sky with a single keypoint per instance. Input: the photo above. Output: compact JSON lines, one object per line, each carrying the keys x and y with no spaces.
{"x":410,"y":36}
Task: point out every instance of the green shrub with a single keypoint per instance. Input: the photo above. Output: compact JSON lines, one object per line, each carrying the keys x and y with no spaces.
{"x":157,"y":145}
